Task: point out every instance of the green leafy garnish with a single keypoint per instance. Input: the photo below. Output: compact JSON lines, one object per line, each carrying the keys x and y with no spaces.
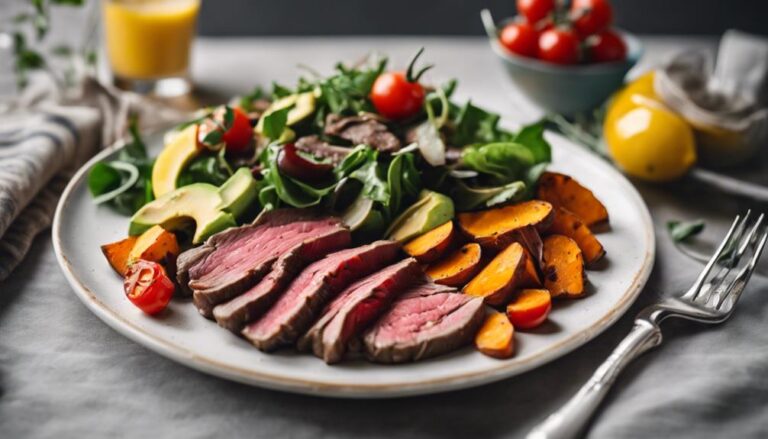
{"x":680,"y":231}
{"x":275,"y":123}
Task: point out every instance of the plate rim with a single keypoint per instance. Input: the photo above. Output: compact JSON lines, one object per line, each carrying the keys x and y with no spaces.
{"x":219,"y":369}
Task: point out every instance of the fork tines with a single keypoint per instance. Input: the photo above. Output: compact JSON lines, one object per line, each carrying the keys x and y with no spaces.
{"x":721,"y":290}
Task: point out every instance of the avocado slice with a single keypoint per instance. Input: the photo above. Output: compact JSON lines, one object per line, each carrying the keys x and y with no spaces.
{"x":431,"y":210}
{"x":303,"y":106}
{"x":213,"y":209}
{"x":239,"y":192}
{"x":179,"y":150}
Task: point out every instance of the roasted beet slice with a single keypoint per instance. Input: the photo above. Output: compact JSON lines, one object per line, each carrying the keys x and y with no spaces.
{"x":300,"y":304}
{"x":356,"y":307}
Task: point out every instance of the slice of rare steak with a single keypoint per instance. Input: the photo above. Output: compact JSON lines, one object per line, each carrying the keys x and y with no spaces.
{"x":235,"y":313}
{"x":238,"y":258}
{"x":364,"y":129}
{"x":357,"y":306}
{"x":297,"y":308}
{"x":426,"y":321}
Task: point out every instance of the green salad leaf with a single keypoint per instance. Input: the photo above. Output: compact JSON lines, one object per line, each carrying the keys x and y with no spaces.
{"x":682,"y":230}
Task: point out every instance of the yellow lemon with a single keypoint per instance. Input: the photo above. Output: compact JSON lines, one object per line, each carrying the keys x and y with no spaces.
{"x":651,"y":142}
{"x":645,"y":138}
{"x":178,"y":151}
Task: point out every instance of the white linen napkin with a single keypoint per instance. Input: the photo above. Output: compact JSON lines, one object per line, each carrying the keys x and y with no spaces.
{"x":724,"y":99}
{"x":44,"y":141}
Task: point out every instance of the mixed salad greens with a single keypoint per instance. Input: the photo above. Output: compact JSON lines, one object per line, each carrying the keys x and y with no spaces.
{"x":366,"y":142}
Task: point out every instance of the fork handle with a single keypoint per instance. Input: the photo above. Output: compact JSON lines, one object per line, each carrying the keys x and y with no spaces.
{"x":572,"y":417}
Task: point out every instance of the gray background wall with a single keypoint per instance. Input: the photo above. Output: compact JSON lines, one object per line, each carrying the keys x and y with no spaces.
{"x":457,"y":17}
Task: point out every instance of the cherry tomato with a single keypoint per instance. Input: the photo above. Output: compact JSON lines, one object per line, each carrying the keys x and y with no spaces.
{"x":239,"y":136}
{"x":520,"y":38}
{"x":148,"y":287}
{"x":591,"y":16}
{"x":294,"y":165}
{"x":559,"y":46}
{"x":395,"y":97}
{"x":398,"y":95}
{"x":607,"y":46}
{"x":535,"y":10}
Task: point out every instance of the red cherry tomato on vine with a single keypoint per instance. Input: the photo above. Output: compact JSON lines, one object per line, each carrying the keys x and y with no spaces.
{"x":535,"y":10}
{"x":607,"y":46}
{"x":239,"y":136}
{"x":559,"y":46}
{"x":398,"y":95}
{"x":520,"y":38}
{"x":591,"y":16}
{"x":395,"y":97}
{"x":148,"y":287}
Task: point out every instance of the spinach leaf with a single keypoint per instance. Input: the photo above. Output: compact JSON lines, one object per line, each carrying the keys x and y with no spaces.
{"x":470,"y":198}
{"x":475,"y":125}
{"x":532,"y":136}
{"x":103,"y":178}
{"x":275,"y":122}
{"x":504,"y":162}
{"x":682,"y":230}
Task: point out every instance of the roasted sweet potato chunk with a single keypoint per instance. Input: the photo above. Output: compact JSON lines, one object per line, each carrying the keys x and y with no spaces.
{"x":498,"y":280}
{"x":157,"y":245}
{"x":458,"y":267}
{"x":531,"y":277}
{"x":496,"y":338}
{"x":530,"y":308}
{"x":432,"y":245}
{"x":570,"y":225}
{"x":563,"y":191}
{"x":117,"y":253}
{"x":563,"y":268}
{"x":497,"y":228}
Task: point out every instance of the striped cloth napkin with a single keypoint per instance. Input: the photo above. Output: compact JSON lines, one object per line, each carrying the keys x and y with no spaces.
{"x":43,"y":142}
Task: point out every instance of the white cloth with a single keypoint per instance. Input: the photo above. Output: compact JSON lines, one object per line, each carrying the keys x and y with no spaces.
{"x":44,"y":142}
{"x":725,"y":100}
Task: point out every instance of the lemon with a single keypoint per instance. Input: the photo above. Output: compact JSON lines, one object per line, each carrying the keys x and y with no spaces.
{"x":176,"y":154}
{"x":645,"y":138}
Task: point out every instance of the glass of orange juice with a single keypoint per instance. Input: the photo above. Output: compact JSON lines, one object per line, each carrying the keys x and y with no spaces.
{"x":148,"y":43}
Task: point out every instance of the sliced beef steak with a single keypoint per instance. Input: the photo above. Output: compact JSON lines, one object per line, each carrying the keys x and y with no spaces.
{"x":232,"y":261}
{"x":426,"y":321}
{"x":297,"y":308}
{"x":318,"y":148}
{"x":357,"y":306}
{"x":235,"y":313}
{"x":362,"y":129}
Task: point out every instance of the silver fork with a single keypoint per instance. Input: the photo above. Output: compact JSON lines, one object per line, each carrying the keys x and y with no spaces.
{"x":711,"y":299}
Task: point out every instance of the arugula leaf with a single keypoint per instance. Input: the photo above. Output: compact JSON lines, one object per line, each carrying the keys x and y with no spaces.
{"x":475,"y":125}
{"x":103,"y":178}
{"x":279,"y":91}
{"x":203,"y":169}
{"x":246,"y":101}
{"x":682,"y":230}
{"x":275,"y":122}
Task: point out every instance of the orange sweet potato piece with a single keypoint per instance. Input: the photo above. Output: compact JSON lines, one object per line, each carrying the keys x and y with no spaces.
{"x":570,"y":225}
{"x":498,"y":280}
{"x":117,"y":254}
{"x":531,"y":277}
{"x":457,"y":268}
{"x":497,"y":228}
{"x":563,"y":191}
{"x":431,"y":245}
{"x":530,"y":308}
{"x":157,"y":245}
{"x":563,"y":268}
{"x":496,"y":338}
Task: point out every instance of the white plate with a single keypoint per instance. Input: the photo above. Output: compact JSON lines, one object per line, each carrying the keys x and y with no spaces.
{"x":181,"y":334}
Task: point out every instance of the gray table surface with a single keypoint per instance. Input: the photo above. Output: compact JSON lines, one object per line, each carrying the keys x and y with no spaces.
{"x":63,"y":373}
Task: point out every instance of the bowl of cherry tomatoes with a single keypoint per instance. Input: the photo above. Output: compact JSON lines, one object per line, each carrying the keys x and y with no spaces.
{"x":564,"y":56}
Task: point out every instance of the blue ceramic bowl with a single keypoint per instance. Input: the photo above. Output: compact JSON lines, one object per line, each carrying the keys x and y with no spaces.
{"x":565,"y":90}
